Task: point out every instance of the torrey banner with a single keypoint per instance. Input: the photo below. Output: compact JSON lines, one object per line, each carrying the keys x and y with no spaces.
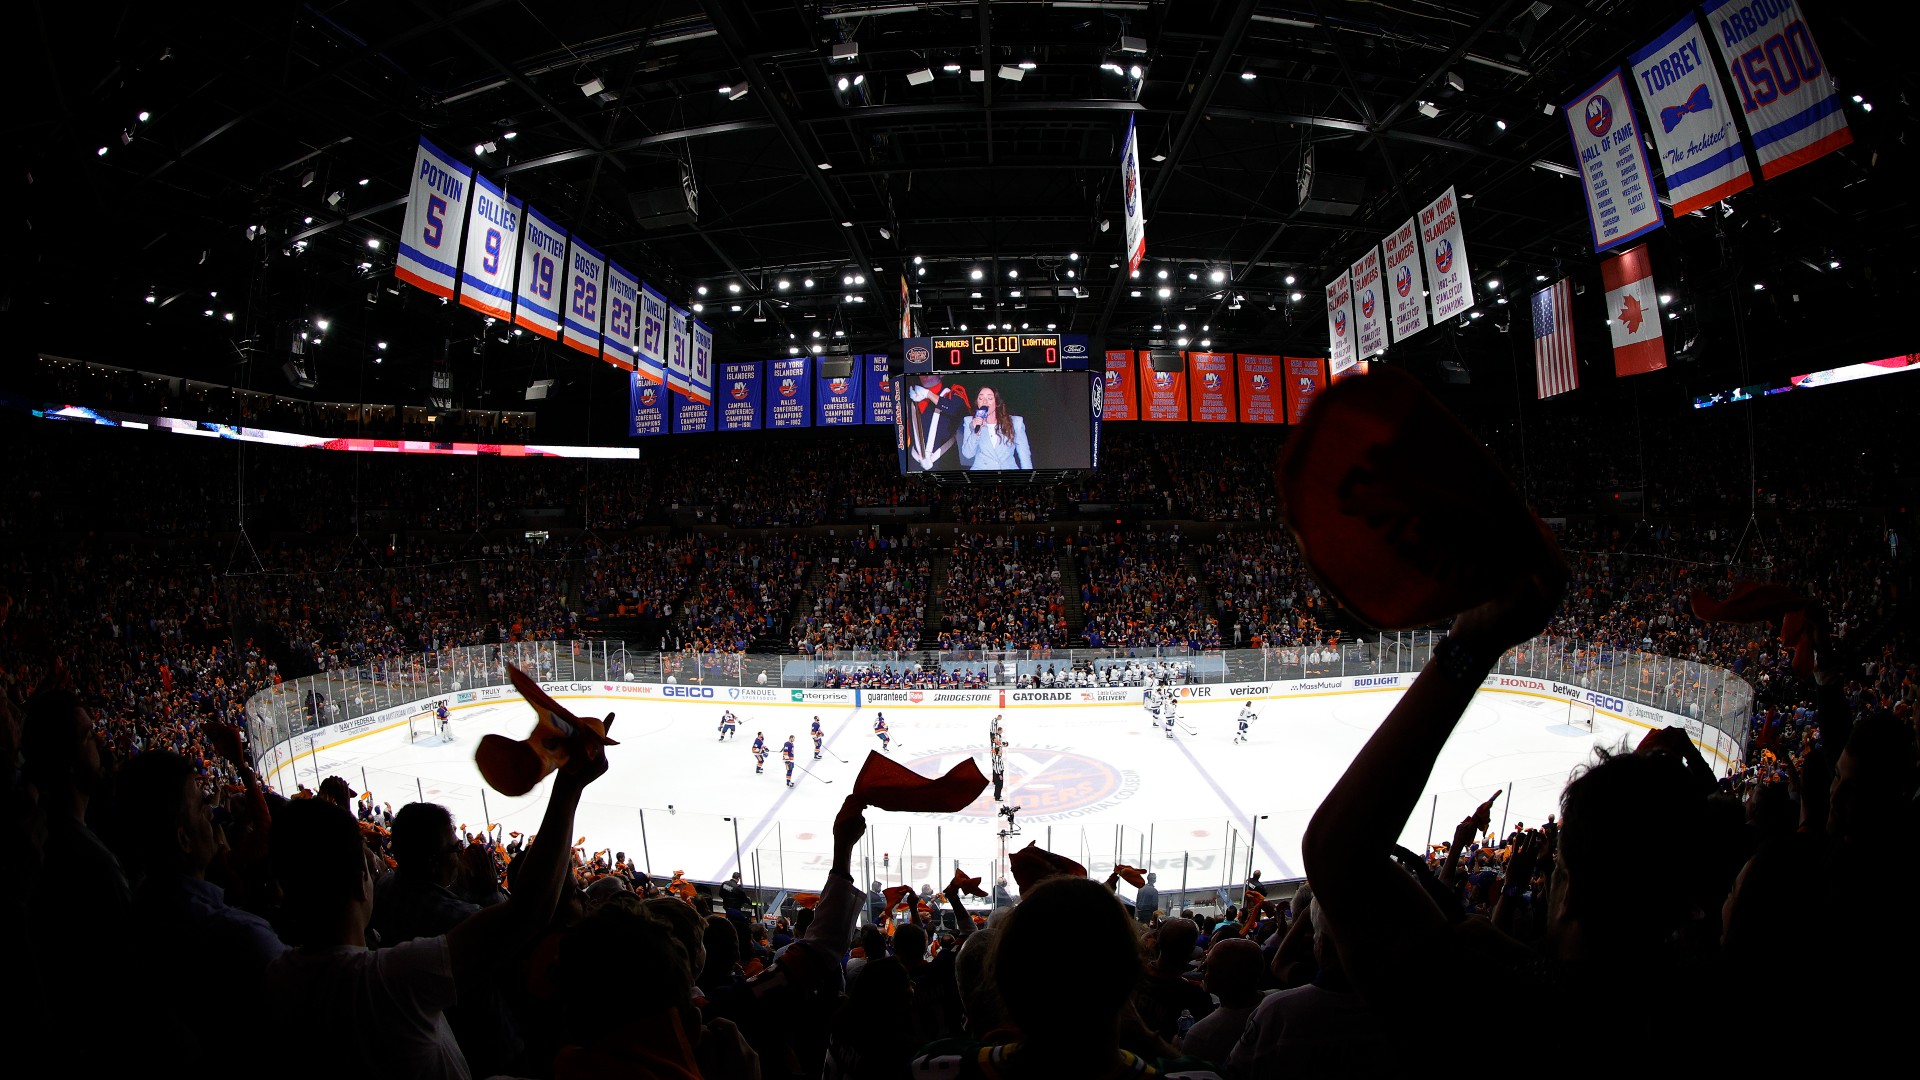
{"x":1406,"y":281}
{"x":1613,"y":164}
{"x":1445,"y":247}
{"x":1120,"y":399}
{"x":1369,"y":306}
{"x":1691,"y":122}
{"x":1340,"y":354}
{"x":1784,"y":87}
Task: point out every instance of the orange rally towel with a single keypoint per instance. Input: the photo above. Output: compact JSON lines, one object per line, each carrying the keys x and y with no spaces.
{"x":886,"y":784}
{"x":1033,"y":864}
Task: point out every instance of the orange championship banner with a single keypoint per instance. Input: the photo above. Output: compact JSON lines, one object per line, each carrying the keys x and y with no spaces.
{"x":1212,"y":387}
{"x":1306,"y":377}
{"x":1261,"y":400}
{"x":1163,"y":394}
{"x":1122,"y":394}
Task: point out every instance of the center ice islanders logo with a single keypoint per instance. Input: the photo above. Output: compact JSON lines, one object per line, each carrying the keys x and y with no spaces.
{"x":1403,"y":281}
{"x":739,"y":391}
{"x":1041,"y":781}
{"x":1340,"y":323}
{"x":1366,"y":303}
{"x":1599,"y":115}
{"x":1443,"y":256}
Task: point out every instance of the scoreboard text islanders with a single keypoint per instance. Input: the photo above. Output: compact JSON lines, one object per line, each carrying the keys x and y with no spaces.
{"x":996,"y":352}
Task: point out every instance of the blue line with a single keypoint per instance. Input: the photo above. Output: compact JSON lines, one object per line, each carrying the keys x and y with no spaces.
{"x":1802,"y":120}
{"x":1246,"y":822}
{"x":427,"y":261}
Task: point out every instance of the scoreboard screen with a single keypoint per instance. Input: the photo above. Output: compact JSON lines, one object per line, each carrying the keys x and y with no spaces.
{"x":1005,"y":351}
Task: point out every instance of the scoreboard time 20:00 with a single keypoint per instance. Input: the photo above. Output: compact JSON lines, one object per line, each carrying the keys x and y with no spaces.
{"x":1004,"y":351}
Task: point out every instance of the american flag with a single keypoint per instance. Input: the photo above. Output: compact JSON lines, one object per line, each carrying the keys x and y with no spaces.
{"x":1554,"y":364}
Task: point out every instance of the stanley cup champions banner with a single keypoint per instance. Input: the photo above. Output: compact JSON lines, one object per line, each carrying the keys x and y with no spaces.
{"x":543,"y":259}
{"x":436,"y":210}
{"x":586,"y":298}
{"x":493,"y":245}
{"x":1369,"y":306}
{"x":1613,"y":164}
{"x":1406,"y":281}
{"x":1690,"y":119}
{"x":650,"y":349}
{"x":1446,"y":257}
{"x":623,"y":306}
{"x":1340,"y":354}
{"x":1782,"y":82}
{"x":1131,"y":195}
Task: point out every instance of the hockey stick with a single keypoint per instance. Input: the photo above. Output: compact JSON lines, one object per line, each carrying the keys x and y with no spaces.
{"x":811,"y":773}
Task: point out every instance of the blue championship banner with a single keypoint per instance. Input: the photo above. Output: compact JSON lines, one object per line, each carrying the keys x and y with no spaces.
{"x":649,"y":410}
{"x":1692,"y":123}
{"x":623,"y":304}
{"x":738,"y":396}
{"x":879,"y":388}
{"x":789,"y":394}
{"x":700,"y":362}
{"x":493,"y":246}
{"x":691,"y":417}
{"x":586,"y":299}
{"x":1613,"y":164}
{"x":543,"y":257}
{"x":839,"y":400}
{"x":650,"y":348}
{"x":1785,"y":89}
{"x":436,"y":210}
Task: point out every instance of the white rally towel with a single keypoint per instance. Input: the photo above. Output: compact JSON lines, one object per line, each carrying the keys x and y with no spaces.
{"x":1633,"y":313}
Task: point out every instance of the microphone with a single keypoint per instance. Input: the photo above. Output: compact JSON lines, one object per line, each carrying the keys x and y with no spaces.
{"x":979,"y":418}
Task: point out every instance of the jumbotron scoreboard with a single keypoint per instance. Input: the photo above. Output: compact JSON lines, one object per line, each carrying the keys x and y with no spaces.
{"x":1007,"y":351}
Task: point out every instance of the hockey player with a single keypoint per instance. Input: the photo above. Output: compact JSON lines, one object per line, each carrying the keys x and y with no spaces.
{"x":1246,"y":717}
{"x":440,"y":720}
{"x":728,"y":722}
{"x":1170,"y":711}
{"x":759,"y":752}
{"x":786,"y":755}
{"x":880,"y":729}
{"x":816,"y":738}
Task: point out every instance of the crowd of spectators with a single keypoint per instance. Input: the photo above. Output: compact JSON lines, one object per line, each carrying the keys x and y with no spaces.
{"x":1222,"y":476}
{"x":904,"y":675}
{"x":1130,"y":672}
{"x":1262,"y":588}
{"x":872,"y":595}
{"x":1003,"y":592}
{"x":640,"y":576}
{"x":1138,"y":591}
{"x":742,"y":589}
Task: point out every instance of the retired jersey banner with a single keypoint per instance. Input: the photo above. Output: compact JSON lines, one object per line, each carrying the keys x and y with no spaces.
{"x":543,"y":258}
{"x":1340,"y":352}
{"x":649,"y":412}
{"x":789,"y":394}
{"x":1261,"y":399}
{"x":1444,"y":247}
{"x":700,"y":361}
{"x":1369,"y":306}
{"x":1784,"y":87}
{"x":1163,"y":394}
{"x":623,"y":305}
{"x":1613,"y":164}
{"x":586,"y":298}
{"x":1212,"y":387}
{"x":1633,"y":313}
{"x":1131,"y":195}
{"x":691,"y":417}
{"x":1406,"y":281}
{"x":493,"y":246}
{"x":879,"y":388}
{"x":650,"y":342}
{"x":437,"y":199}
{"x":1119,"y":398}
{"x":738,"y":396}
{"x":1305,"y":377}
{"x":1692,"y":122}
{"x":679,"y":352}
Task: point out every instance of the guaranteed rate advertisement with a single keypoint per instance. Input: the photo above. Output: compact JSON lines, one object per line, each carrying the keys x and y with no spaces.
{"x":996,"y":422}
{"x":738,"y":396}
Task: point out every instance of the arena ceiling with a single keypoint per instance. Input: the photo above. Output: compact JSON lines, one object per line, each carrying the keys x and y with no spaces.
{"x":240,"y":159}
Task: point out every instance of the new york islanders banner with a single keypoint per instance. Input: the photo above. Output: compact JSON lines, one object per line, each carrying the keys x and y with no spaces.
{"x":650,"y":348}
{"x":1163,"y":394}
{"x":1369,"y":306}
{"x":586,"y":296}
{"x":836,"y":400}
{"x":543,"y":257}
{"x":1406,"y":281}
{"x":436,"y":210}
{"x":700,"y":361}
{"x":1340,"y":354}
{"x":789,"y":394}
{"x":1135,"y":221}
{"x":1306,"y":378}
{"x":691,"y":417}
{"x":493,"y":246}
{"x":1212,"y":385}
{"x":649,"y":412}
{"x":1784,"y":87}
{"x":738,"y":396}
{"x":679,"y":352}
{"x":879,"y":388}
{"x":1613,"y":164}
{"x":623,"y":305}
{"x":1261,"y":399}
{"x":1119,"y":397}
{"x":1633,"y":313}
{"x":1445,"y":251}
{"x":1690,"y":120}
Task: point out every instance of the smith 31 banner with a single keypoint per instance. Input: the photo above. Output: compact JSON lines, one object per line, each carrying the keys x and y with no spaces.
{"x":700,"y":361}
{"x":679,"y":352}
{"x":1211,"y":384}
{"x":879,"y":388}
{"x":436,"y":209}
{"x":1369,"y":306}
{"x":789,"y":394}
{"x":1261,"y":400}
{"x":1119,"y":398}
{"x":1130,"y":197}
{"x":493,"y":244}
{"x":623,"y":305}
{"x":1406,"y":281}
{"x":738,"y":396}
{"x":586,"y":298}
{"x":543,"y":258}
{"x":1306,"y":376}
{"x":650,"y":353}
{"x":1445,"y":247}
{"x":1613,"y":164}
{"x":837,"y":400}
{"x":1692,"y":124}
{"x":1784,"y":87}
{"x":649,"y":412}
{"x":691,"y":417}
{"x":1163,"y":394}
{"x":1340,"y":352}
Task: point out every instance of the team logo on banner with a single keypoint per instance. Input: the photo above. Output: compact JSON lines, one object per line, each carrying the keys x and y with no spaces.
{"x":1113,"y":378}
{"x":1366,"y":304}
{"x":1162,"y":380}
{"x":1340,"y":323}
{"x":1260,"y":383}
{"x":789,"y":387}
{"x":837,"y":386}
{"x":1403,"y":281}
{"x":649,"y":396}
{"x":739,"y":391}
{"x":1443,"y":256}
{"x":1599,"y":115}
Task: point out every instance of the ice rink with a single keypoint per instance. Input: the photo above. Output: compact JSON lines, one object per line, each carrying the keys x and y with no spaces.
{"x":1094,"y":782}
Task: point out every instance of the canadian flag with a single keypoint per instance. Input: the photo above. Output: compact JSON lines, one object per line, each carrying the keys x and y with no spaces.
{"x":1633,"y":313}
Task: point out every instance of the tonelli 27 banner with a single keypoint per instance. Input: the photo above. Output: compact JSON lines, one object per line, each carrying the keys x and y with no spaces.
{"x":1119,"y":398}
{"x":493,"y":244}
{"x":1613,"y":164}
{"x":1261,"y":400}
{"x":1212,"y":387}
{"x":623,"y":305}
{"x":436,"y":210}
{"x":1784,"y":87}
{"x":1340,"y":355}
{"x":650,"y":353}
{"x":1369,"y":306}
{"x":1406,"y":282}
{"x":586,"y":295}
{"x":1691,"y":123}
{"x":543,"y":256}
{"x":1445,"y":248}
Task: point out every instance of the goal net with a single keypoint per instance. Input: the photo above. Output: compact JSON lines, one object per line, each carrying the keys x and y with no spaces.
{"x":421,"y":725}
{"x":1580,"y":714}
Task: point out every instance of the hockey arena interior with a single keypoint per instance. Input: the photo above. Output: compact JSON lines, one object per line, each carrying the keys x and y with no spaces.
{"x":1228,"y":540}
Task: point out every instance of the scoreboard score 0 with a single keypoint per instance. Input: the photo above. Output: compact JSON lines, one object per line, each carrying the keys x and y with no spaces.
{"x":996,"y":352}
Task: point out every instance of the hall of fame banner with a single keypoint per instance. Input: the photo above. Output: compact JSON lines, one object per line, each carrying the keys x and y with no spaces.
{"x":1340,"y":353}
{"x":1210,"y":381}
{"x":437,"y":197}
{"x":1785,"y":90}
{"x":1369,"y":306}
{"x":700,"y":361}
{"x":679,"y":352}
{"x":1119,"y":398}
{"x":1444,"y":246}
{"x":1690,"y":119}
{"x":1261,"y":399}
{"x":738,"y":396}
{"x":1613,"y":164}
